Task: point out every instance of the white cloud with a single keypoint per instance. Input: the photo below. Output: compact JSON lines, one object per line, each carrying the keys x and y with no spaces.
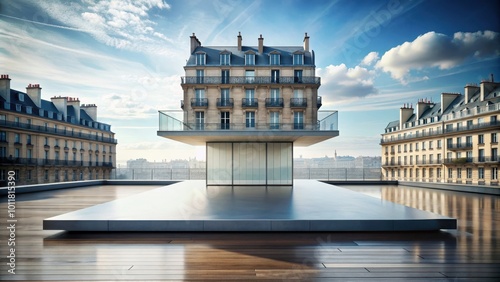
{"x":370,"y":59}
{"x":342,"y":83}
{"x":438,"y":50}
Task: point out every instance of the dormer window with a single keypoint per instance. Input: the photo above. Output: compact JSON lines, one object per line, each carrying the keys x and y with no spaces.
{"x":21,"y":97}
{"x":298,"y":59}
{"x":29,"y":110}
{"x":200,"y":59}
{"x":18,"y":107}
{"x":250,"y":59}
{"x":274,"y":58}
{"x":225,"y":58}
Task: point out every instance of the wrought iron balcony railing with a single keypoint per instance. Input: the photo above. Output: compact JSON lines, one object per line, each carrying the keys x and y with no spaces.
{"x":298,"y":102}
{"x":249,"y":103}
{"x":459,"y":146}
{"x":199,"y":102}
{"x":225,"y":103}
{"x":55,"y":131}
{"x":493,"y":159}
{"x":50,"y":162}
{"x":274,"y":103}
{"x":250,"y":80}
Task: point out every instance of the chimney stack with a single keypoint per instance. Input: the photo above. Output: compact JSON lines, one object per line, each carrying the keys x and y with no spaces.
{"x":5,"y":87}
{"x":487,"y":86}
{"x":239,"y":41}
{"x":422,"y":106}
{"x":306,"y":43}
{"x":261,"y":44}
{"x":75,"y":102}
{"x":34,"y":91}
{"x":91,"y":110}
{"x":405,"y":113}
{"x":61,"y":105}
{"x":194,"y":43}
{"x":447,"y":99}
{"x":470,"y":90}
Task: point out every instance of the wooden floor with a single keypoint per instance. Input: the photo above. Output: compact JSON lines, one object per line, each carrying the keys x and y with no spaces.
{"x":471,"y":252}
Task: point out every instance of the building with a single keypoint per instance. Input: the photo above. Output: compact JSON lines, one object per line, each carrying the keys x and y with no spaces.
{"x":454,"y":141}
{"x":249,"y":105}
{"x":50,"y":141}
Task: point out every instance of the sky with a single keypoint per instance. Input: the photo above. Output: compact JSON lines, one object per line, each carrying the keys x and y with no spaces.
{"x":127,"y":57}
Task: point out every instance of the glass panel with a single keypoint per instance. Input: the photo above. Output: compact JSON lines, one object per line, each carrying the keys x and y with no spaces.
{"x":279,"y":163}
{"x":219,"y":163}
{"x":249,"y":163}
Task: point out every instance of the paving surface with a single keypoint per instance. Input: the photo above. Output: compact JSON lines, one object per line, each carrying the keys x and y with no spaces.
{"x":309,"y":205}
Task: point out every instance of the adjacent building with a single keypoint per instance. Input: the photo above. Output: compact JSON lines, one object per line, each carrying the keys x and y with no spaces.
{"x":45,"y":141}
{"x":249,"y":105}
{"x":452,"y":141}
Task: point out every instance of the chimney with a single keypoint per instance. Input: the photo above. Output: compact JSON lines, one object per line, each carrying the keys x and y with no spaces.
{"x":91,"y":110}
{"x":487,"y":86}
{"x":5,"y":87}
{"x":261,"y":44}
{"x":61,"y":105}
{"x":239,"y":41}
{"x":470,"y":90}
{"x":447,"y":99}
{"x":75,"y":102}
{"x":34,"y":91}
{"x":306,"y":43}
{"x":422,"y":106}
{"x":194,"y":42}
{"x":405,"y":113}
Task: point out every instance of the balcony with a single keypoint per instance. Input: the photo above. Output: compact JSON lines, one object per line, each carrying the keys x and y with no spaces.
{"x":459,"y":146}
{"x":249,"y":103}
{"x":319,"y":103}
{"x":298,"y":103}
{"x":274,"y":103}
{"x":42,"y":129}
{"x":199,"y":103}
{"x":225,"y":103}
{"x":472,"y":127}
{"x":494,"y":159}
{"x":186,"y":80}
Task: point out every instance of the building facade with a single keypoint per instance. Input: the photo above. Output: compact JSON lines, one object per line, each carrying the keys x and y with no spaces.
{"x":454,"y":141}
{"x":249,"y":105}
{"x":51,"y":141}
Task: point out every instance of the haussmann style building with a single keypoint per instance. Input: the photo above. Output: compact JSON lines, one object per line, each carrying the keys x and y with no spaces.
{"x":454,"y":141}
{"x":45,"y":141}
{"x":249,"y":105}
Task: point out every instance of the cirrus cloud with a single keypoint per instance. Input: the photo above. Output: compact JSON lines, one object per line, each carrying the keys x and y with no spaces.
{"x":438,"y":50}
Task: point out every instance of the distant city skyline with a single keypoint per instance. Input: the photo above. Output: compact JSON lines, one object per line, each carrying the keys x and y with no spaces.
{"x":127,"y":57}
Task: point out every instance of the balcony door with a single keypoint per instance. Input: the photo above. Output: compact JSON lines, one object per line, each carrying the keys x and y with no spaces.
{"x":224,"y":120}
{"x":250,"y":119}
{"x":200,"y":74}
{"x":224,"y":97}
{"x":200,"y":120}
{"x":275,"y":76}
{"x":250,"y":76}
{"x":274,"y":121}
{"x":297,"y":76}
{"x":225,"y":76}
{"x":298,"y":120}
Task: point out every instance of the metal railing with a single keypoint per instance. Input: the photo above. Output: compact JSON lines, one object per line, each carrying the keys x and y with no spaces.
{"x":200,"y":173}
{"x":55,"y":131}
{"x":459,"y":146}
{"x":50,"y":162}
{"x":298,"y":102}
{"x":199,"y":102}
{"x":250,"y":80}
{"x":274,"y":103}
{"x":225,"y":103}
{"x":249,"y":103}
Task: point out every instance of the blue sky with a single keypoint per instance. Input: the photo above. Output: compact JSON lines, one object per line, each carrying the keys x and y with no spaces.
{"x":127,"y":57}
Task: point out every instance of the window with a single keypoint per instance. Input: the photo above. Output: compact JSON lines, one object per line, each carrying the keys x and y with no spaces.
{"x":494,"y":173}
{"x":480,"y":138}
{"x":224,"y":120}
{"x":250,"y":119}
{"x":225,"y":59}
{"x":298,"y":120}
{"x":416,"y":146}
{"x":28,"y":139}
{"x":431,"y":159}
{"x":469,"y":172}
{"x":405,"y":147}
{"x":17,"y":138}
{"x":250,"y":59}
{"x":29,"y":110}
{"x":275,"y":76}
{"x":199,"y":95}
{"x":438,"y":173}
{"x":28,"y":174}
{"x":21,"y":97}
{"x":439,"y":144}
{"x":297,"y":76}
{"x":249,"y":76}
{"x":46,"y":174}
{"x":298,"y":59}
{"x":17,"y":153}
{"x":481,"y":155}
{"x":439,"y":158}
{"x":494,"y":138}
{"x":200,"y":120}
{"x":431,"y":145}
{"x":480,"y":172}
{"x":46,"y":143}
{"x":450,"y":173}
{"x":468,"y":141}
{"x":469,"y":124}
{"x":423,"y":145}
{"x":224,"y":97}
{"x":449,"y":143}
{"x":224,"y":76}
{"x":200,"y":75}
{"x":250,"y":94}
{"x":469,"y":155}
{"x":274,"y":59}
{"x":200,"y":59}
{"x":494,"y":154}
{"x":399,"y":148}
{"x":275,"y":120}
{"x":459,"y":173}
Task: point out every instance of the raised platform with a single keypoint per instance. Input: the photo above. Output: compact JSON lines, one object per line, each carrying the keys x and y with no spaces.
{"x":309,"y":205}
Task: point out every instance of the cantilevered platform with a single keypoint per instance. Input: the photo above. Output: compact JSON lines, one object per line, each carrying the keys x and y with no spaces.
{"x":192,"y":206}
